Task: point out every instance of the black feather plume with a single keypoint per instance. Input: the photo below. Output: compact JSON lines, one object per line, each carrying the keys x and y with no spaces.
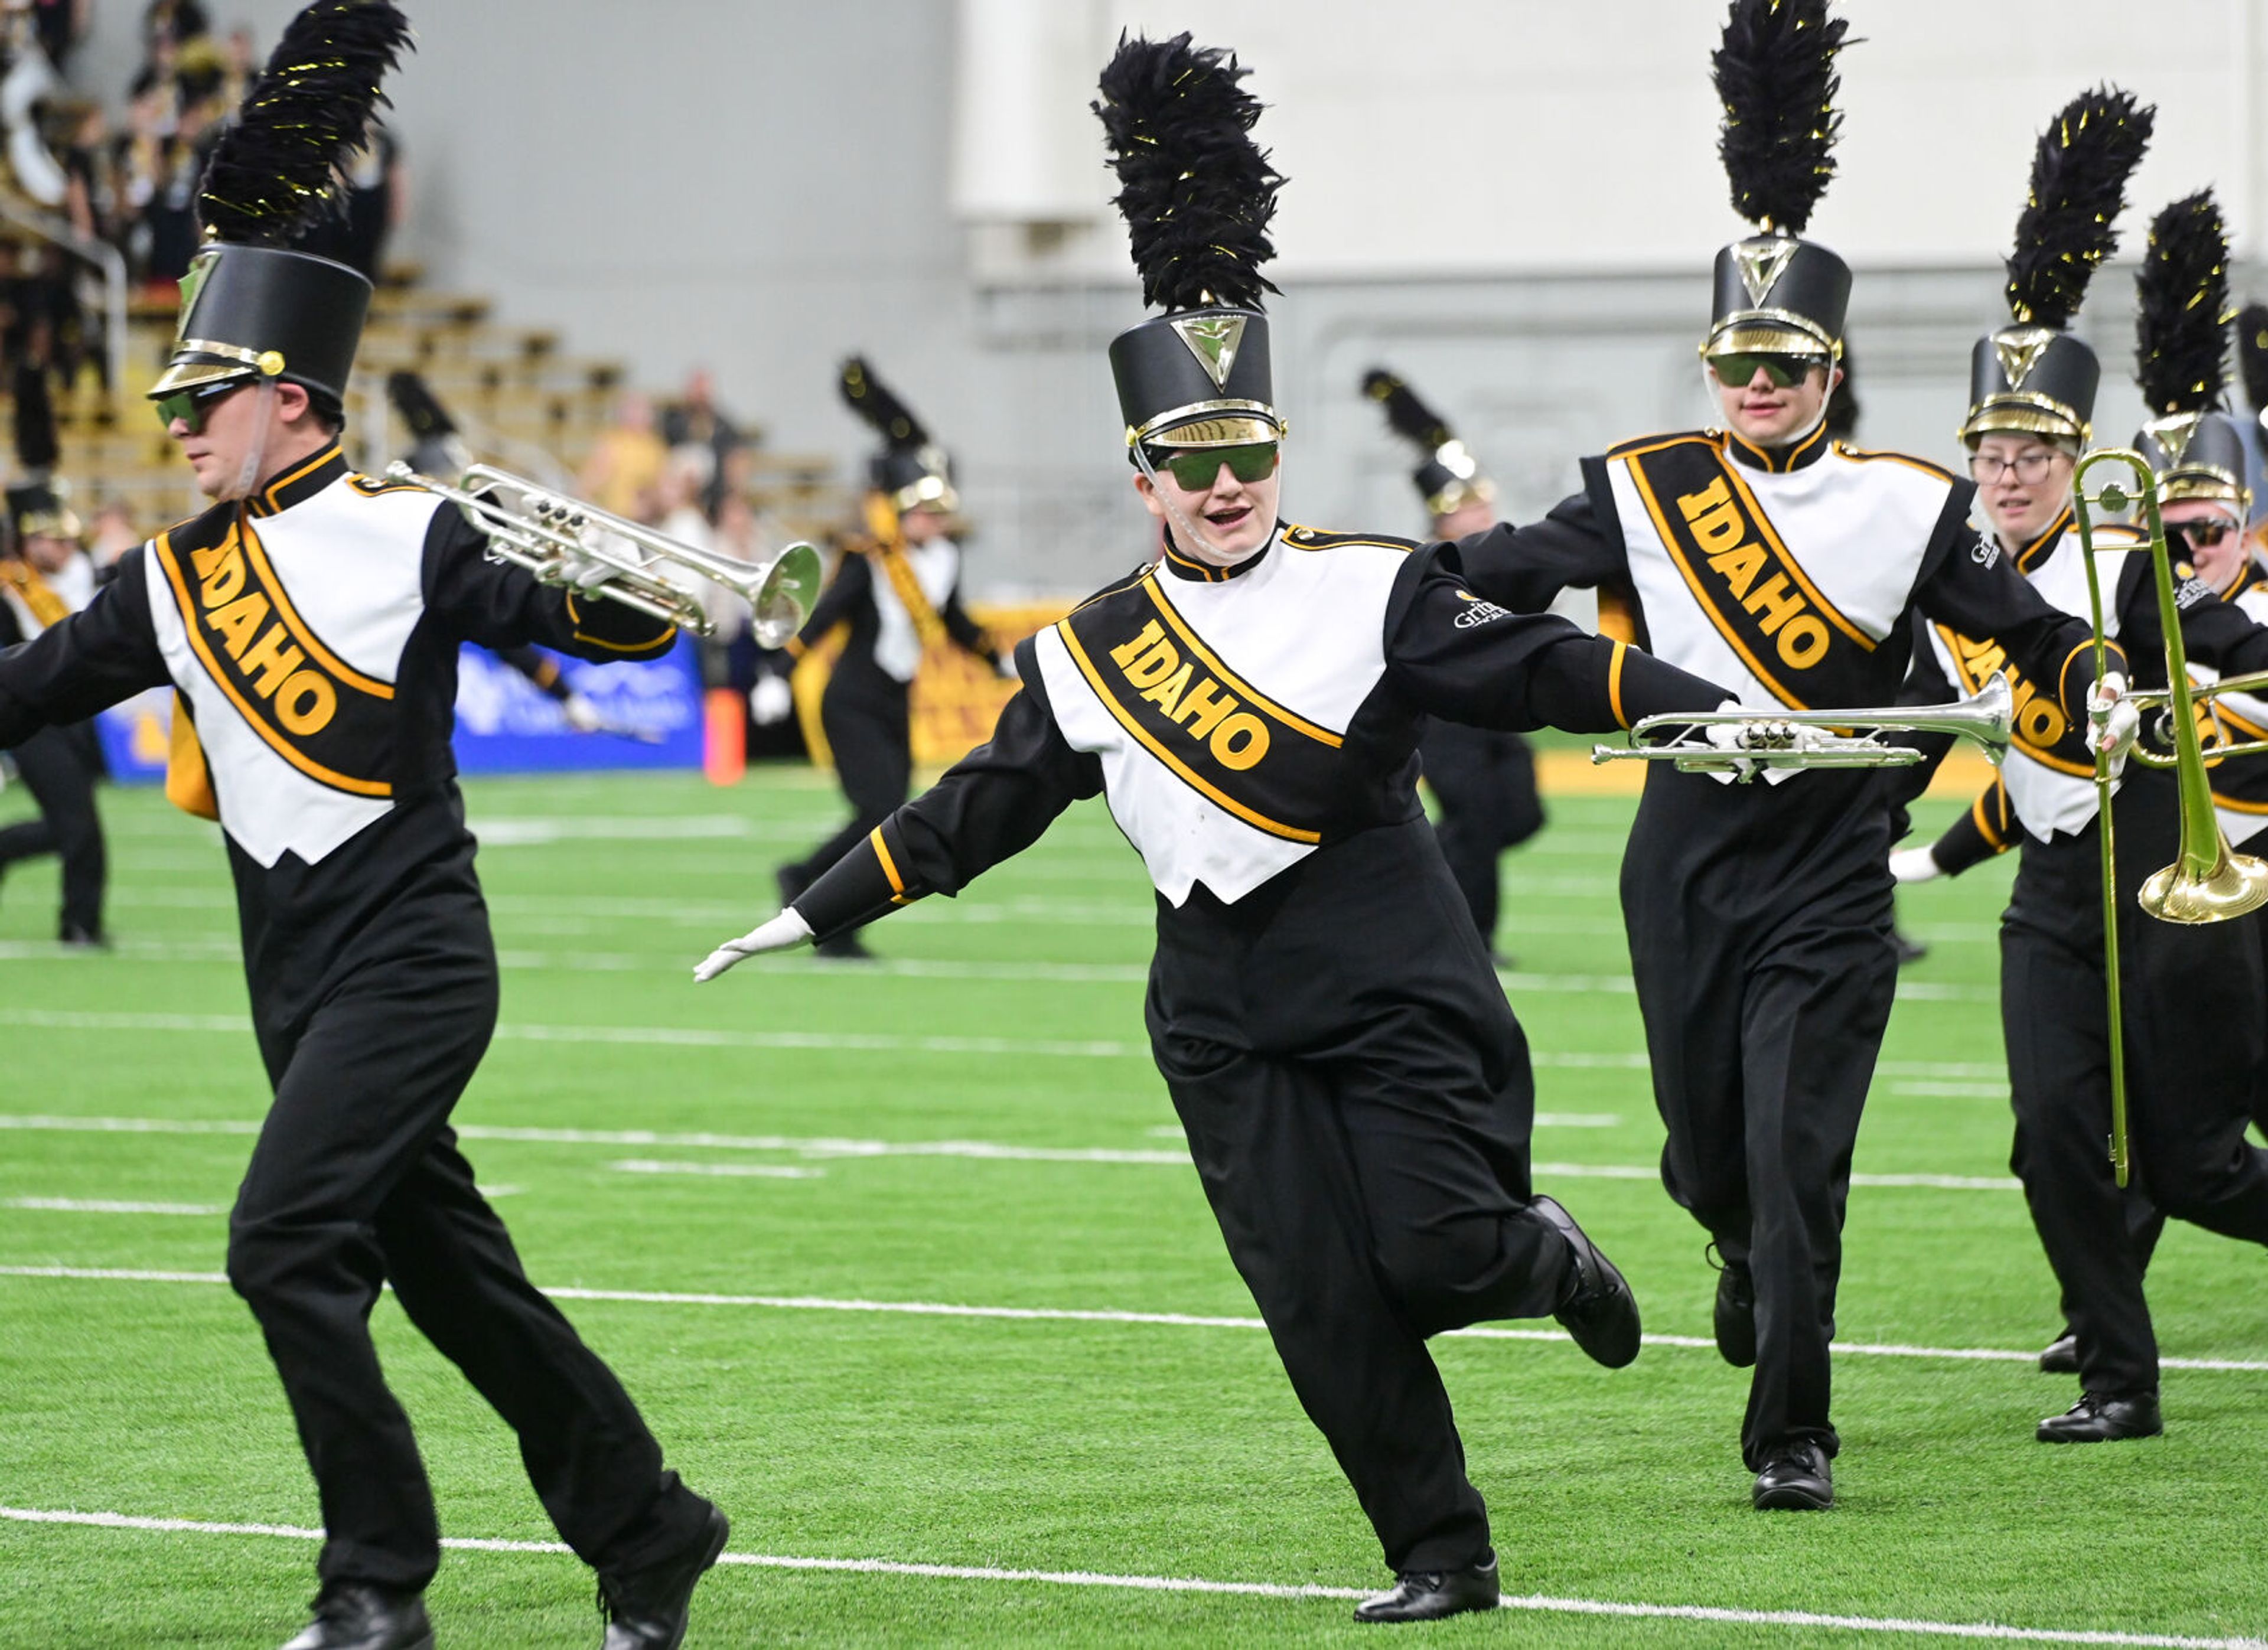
{"x":2078,"y":188}
{"x":272,"y":175}
{"x":2182,"y":291}
{"x":871,"y":398}
{"x":1195,"y":190}
{"x":2252,"y":353}
{"x":1775,"y":72}
{"x":1410,"y":418}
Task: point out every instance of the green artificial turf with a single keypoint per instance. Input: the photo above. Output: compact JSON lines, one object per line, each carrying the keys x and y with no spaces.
{"x":1011,"y":1018}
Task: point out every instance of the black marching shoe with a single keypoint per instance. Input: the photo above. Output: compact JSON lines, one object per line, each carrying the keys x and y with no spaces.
{"x":2061,"y":1355}
{"x":647,"y":1609}
{"x":1735,"y":1316}
{"x":1597,"y":1308}
{"x":1796,"y":1478}
{"x":844,"y":948}
{"x":357,"y":1615}
{"x":1430,"y":1594}
{"x":1908,"y":949}
{"x":2100,"y":1417}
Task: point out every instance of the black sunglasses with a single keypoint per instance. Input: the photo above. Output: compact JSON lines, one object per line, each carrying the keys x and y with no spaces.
{"x":1782,"y":370}
{"x":2201,"y":535}
{"x":1194,"y":468}
{"x":190,"y":406}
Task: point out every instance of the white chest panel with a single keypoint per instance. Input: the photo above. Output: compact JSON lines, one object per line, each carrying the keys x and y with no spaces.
{"x":897,"y":645}
{"x":1306,"y":628}
{"x":352,"y":566}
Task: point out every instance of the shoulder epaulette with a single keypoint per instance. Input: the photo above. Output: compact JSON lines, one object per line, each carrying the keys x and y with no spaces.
{"x":1317,"y":539}
{"x":1652,"y":444}
{"x":1862,"y":455}
{"x":1123,"y":582}
{"x":371,"y":486}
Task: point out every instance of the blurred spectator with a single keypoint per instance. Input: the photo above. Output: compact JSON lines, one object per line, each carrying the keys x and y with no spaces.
{"x":109,"y":536}
{"x":61,"y":24}
{"x":695,"y":420}
{"x":374,"y":202}
{"x":626,"y":462}
{"x":172,"y":213}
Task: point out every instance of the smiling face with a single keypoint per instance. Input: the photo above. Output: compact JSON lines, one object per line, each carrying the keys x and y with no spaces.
{"x":1235,"y":518}
{"x":2217,"y":562}
{"x":2022,"y":481}
{"x":1768,"y":415}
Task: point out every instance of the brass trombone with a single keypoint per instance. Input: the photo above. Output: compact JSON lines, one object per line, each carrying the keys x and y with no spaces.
{"x":2208,"y":881}
{"x":555,"y":536}
{"x":1844,"y":738}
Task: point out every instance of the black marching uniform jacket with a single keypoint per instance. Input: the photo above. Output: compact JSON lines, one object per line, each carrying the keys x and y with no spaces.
{"x":311,"y":633}
{"x":1759,"y":914}
{"x":1355,"y":1090}
{"x":58,"y":765}
{"x":896,"y":598}
{"x":2197,"y":1041}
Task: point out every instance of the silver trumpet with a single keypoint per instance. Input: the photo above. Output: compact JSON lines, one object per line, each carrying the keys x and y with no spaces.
{"x":558,"y":538}
{"x":1844,"y":738}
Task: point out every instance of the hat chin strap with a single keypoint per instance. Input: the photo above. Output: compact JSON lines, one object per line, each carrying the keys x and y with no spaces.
{"x":1199,"y":546}
{"x":264,"y":421}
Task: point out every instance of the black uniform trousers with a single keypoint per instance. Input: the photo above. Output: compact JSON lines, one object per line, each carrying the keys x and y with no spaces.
{"x":866,"y":715}
{"x":1360,"y":1117}
{"x":2196,"y":1042}
{"x":1484,"y":781}
{"x":59,"y":766}
{"x":356,"y":1182}
{"x":1759,"y":920}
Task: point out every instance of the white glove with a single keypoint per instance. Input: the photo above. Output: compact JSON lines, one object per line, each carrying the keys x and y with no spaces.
{"x":781,"y":934}
{"x":582,"y":714}
{"x":771,"y":700}
{"x":1915,"y":865}
{"x":2113,"y":719}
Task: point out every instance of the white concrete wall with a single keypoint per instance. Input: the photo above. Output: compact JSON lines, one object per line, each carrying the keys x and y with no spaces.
{"x":1513,"y":202}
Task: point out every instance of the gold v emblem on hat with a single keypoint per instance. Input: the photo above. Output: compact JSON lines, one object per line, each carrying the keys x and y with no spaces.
{"x":1213,"y":340}
{"x":2020,"y":350}
{"x":1762,"y":262}
{"x":2174,"y":432}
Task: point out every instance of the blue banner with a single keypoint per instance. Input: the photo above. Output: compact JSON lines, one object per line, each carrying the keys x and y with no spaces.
{"x":505,"y":724}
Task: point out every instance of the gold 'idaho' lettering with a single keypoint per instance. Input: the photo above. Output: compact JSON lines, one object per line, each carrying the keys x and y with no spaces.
{"x":2039,"y":719}
{"x":1159,"y":674}
{"x":305,"y":699}
{"x":1782,"y":612}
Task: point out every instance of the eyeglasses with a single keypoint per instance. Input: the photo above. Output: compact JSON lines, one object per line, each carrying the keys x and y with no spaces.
{"x":190,"y":406}
{"x":2201,"y":535}
{"x":1194,"y":468}
{"x":1782,"y":370}
{"x":2029,"y":466}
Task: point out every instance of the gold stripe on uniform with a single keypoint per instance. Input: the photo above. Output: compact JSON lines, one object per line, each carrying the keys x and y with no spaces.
{"x":1229,"y":679}
{"x":889,"y":866}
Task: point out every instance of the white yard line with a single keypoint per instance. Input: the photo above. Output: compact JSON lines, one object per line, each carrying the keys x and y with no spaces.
{"x":1083,"y":1315}
{"x":89,"y":1205}
{"x":1534,"y":1602}
{"x":739,"y":1171}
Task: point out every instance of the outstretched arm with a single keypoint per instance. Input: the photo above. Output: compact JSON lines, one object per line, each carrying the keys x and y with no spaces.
{"x":992,"y":805}
{"x":88,"y":662}
{"x":499,"y":605}
{"x":1457,"y":654}
{"x":1578,"y":544}
{"x":1987,"y":829}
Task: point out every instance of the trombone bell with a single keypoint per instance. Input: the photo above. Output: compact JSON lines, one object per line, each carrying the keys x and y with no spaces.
{"x":2207,"y":888}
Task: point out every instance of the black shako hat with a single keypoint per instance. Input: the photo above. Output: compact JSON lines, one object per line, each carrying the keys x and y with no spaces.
{"x":1197,"y":195}
{"x":2033,"y":377}
{"x":1775,"y":72}
{"x":250,"y":305}
{"x":1448,"y":477}
{"x":2181,"y":358}
{"x":911,"y":470}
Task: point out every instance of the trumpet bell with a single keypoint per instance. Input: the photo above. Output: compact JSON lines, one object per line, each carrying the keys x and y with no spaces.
{"x":786,"y":598}
{"x":2231,"y":885}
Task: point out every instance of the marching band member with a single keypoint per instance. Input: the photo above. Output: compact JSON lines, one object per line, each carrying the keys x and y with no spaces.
{"x":2191,"y":1095}
{"x":1760,"y":915}
{"x":309,"y":624}
{"x":1355,"y":1091}
{"x":1484,"y":778}
{"x":900,"y":593}
{"x":45,"y":577}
